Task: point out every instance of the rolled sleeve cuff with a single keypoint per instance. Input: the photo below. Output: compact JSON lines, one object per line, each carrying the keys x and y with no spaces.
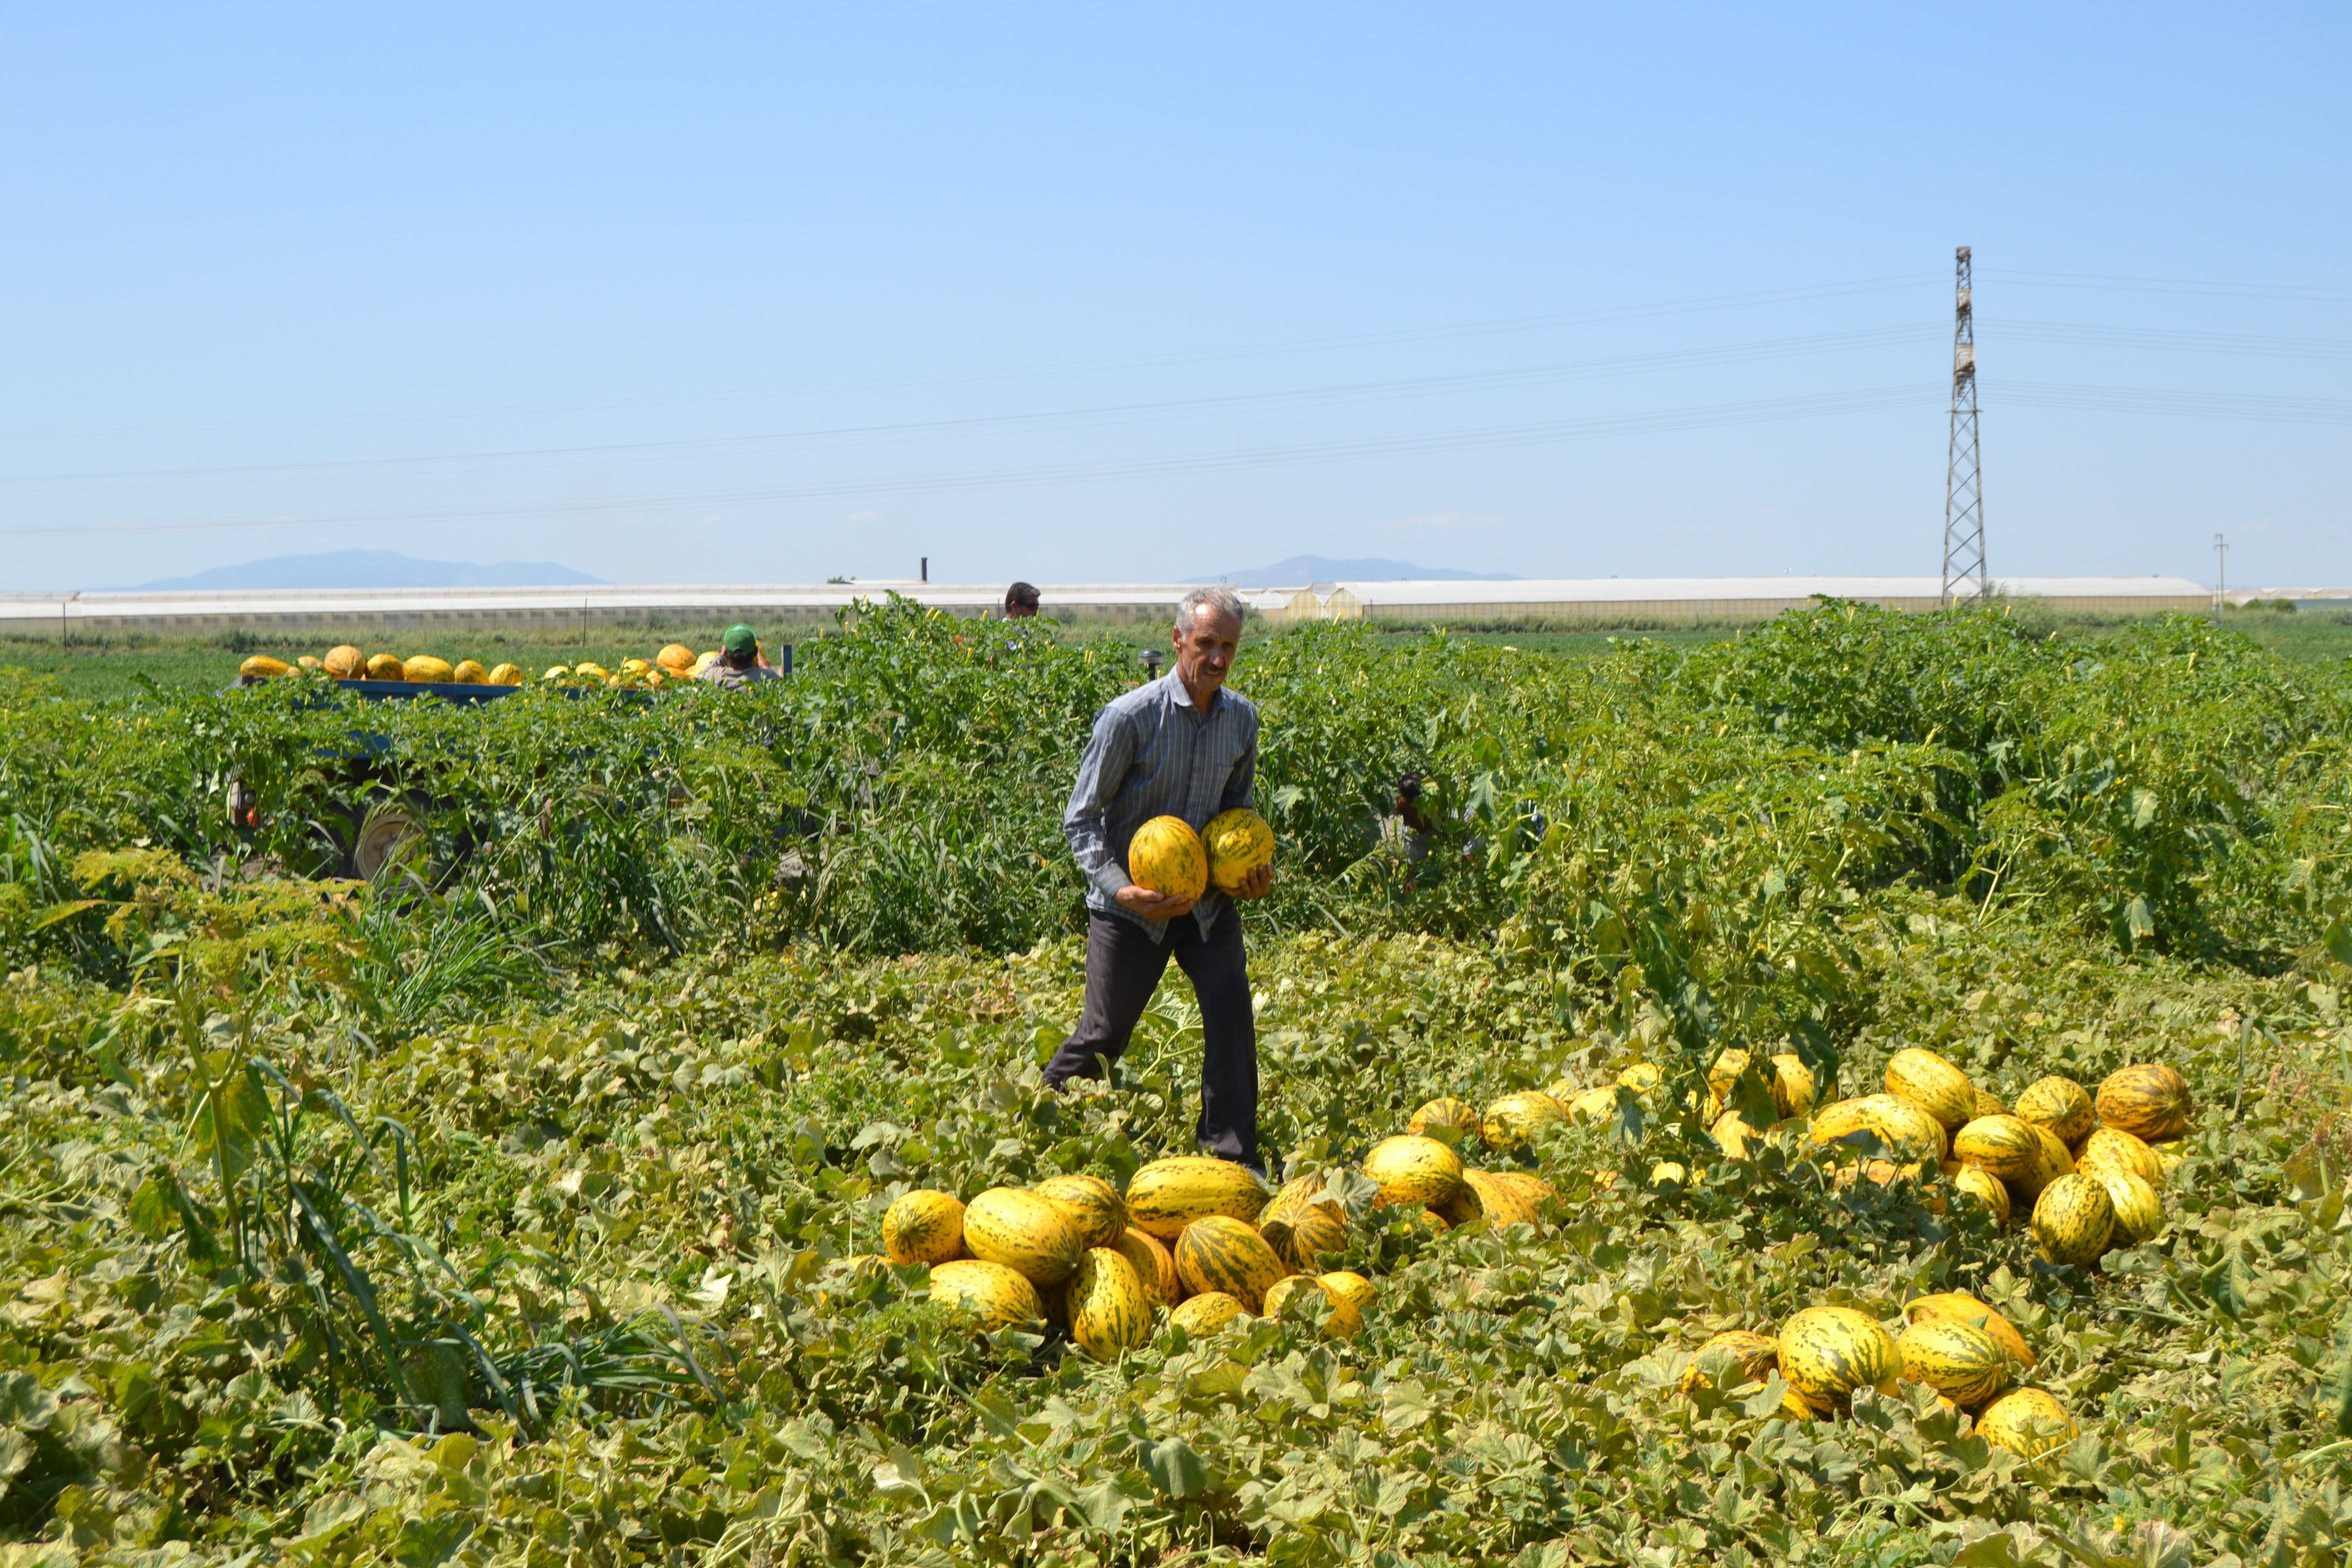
{"x":1108,"y":878}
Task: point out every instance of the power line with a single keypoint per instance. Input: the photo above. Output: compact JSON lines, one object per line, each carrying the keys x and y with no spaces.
{"x":1795,"y":294}
{"x":1337,"y":393}
{"x":2166,"y":338}
{"x":2289,"y":292}
{"x":2161,"y":400}
{"x":1651,"y":422}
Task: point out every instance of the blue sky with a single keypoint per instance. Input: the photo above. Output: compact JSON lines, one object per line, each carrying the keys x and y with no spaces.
{"x":702,"y":294}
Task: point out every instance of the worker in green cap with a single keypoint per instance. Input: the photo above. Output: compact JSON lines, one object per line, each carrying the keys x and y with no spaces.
{"x":740,"y":662}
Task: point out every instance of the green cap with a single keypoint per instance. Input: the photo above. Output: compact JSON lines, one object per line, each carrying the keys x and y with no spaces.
{"x":740,"y":641}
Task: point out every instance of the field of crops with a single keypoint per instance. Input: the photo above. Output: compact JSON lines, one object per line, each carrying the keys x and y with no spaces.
{"x":521,"y":1206}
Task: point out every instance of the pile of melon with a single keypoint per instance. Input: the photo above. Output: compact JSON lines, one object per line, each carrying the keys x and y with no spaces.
{"x":347,"y":663}
{"x":1194,"y":1236}
{"x":1202,"y":1239}
{"x":1954,"y":1344}
{"x":673,"y":663}
{"x":2087,"y":1172}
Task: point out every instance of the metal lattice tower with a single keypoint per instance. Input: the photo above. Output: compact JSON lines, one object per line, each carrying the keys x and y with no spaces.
{"x":1964,"y":548}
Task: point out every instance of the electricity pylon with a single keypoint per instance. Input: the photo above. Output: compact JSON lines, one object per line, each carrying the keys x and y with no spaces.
{"x":1964,"y":547}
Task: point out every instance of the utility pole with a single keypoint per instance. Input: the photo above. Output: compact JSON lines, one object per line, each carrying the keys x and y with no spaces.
{"x":2221,"y":573}
{"x":1964,"y":546}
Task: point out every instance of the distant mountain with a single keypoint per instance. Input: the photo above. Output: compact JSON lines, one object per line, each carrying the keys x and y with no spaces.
{"x":375,"y":569}
{"x":1300,"y":570}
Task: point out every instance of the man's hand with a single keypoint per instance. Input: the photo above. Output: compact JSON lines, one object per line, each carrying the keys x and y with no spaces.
{"x":1152,"y":906}
{"x":1256,"y":884}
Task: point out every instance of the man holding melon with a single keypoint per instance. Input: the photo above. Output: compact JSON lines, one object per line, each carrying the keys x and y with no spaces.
{"x":1160,"y":821}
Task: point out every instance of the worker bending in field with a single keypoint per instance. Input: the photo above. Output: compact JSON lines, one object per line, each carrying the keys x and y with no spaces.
{"x":1185,"y":746}
{"x":740,"y":662}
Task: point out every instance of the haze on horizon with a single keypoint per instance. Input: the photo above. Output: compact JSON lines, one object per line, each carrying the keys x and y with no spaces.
{"x":751,"y":296}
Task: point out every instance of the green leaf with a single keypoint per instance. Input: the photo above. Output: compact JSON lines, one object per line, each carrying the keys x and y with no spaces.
{"x":1175,"y":1468}
{"x":2336,"y":1390}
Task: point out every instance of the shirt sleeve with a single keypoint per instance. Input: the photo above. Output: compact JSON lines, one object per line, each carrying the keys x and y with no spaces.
{"x":1101,"y":771}
{"x":1242,"y":780}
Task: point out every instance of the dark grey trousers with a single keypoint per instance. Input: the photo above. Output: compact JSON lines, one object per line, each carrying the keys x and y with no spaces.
{"x":1123,"y":968}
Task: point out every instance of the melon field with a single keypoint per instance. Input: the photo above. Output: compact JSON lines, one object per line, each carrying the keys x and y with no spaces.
{"x":523,"y":1204}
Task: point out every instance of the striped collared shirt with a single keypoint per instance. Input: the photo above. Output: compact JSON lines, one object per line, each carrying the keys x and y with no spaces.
{"x":1154,"y":755}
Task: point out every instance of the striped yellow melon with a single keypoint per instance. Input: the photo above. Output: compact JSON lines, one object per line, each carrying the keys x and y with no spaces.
{"x":1238,"y":842}
{"x":2055,"y":1162}
{"x":1109,"y":1310}
{"x":1725,"y":1071}
{"x":1827,"y":1353}
{"x":1792,"y":1085}
{"x":1204,"y":1315}
{"x":2060,"y":1104}
{"x":1884,"y":1173}
{"x":345,"y":662}
{"x":504,"y":675}
{"x":2112,"y":1148}
{"x":1642,"y":1077}
{"x":1667,"y":1172}
{"x":676,"y":657}
{"x":386,"y":666}
{"x":2149,"y":1101}
{"x":425,"y":666}
{"x":1962,"y":1362}
{"x":1353,"y":1288}
{"x":923,"y":1227}
{"x":1838,"y":1119}
{"x":1002,"y":1298}
{"x":2139,"y":1211}
{"x":1303,"y":1232}
{"x":2073,"y":1219}
{"x":1154,"y":1264}
{"x":1222,"y":1253}
{"x":2004,"y":1145}
{"x":469,"y":672}
{"x":1505,"y":1197}
{"x":1166,"y":1195}
{"x":1343,"y":1320}
{"x":1418,"y":1172}
{"x":1957,"y":1306}
{"x":589,"y":670}
{"x":1739,"y":1356}
{"x":1512,"y":1121}
{"x":1909,"y":1132}
{"x":1293,"y":1195}
{"x":1987,"y":1189}
{"x":1731,"y":1135}
{"x":1989,"y":1103}
{"x":1594,"y":1104}
{"x":2027,"y":1422}
{"x":1035,"y":1236}
{"x":1795,"y":1407}
{"x":1462,"y":1208}
{"x":1094,"y":1204}
{"x":261,"y":666}
{"x":1934,"y":1084}
{"x":311,"y":663}
{"x":1165,"y":856}
{"x":1448,"y":1119}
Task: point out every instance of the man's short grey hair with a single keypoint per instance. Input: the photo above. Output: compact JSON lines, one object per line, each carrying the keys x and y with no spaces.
{"x":1218,"y":597}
